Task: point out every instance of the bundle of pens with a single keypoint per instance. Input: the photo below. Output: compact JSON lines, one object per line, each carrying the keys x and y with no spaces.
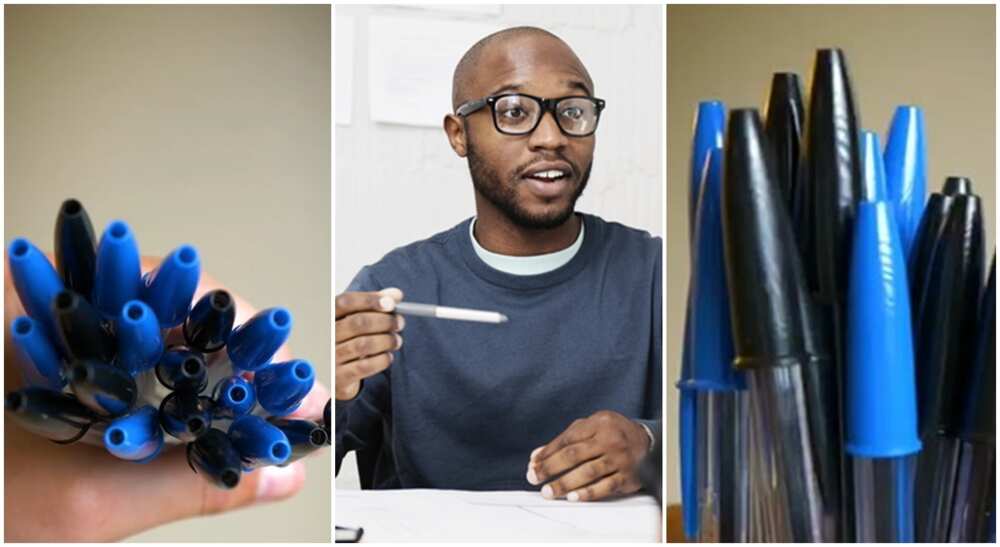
{"x":838,"y":375}
{"x":115,"y":358}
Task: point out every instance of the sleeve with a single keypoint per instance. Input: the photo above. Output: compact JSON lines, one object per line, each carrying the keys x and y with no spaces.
{"x":652,"y":418}
{"x":358,"y":422}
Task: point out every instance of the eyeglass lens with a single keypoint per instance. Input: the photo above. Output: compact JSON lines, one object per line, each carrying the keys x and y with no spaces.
{"x":517,"y":114}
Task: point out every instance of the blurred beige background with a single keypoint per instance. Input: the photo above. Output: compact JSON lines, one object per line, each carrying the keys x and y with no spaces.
{"x":939,"y":57}
{"x":207,"y":125}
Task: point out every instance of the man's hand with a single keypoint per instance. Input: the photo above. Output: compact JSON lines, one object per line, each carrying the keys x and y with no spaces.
{"x":592,"y":459}
{"x":367,"y":334}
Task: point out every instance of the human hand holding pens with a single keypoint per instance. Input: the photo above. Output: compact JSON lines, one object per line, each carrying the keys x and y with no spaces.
{"x":594,"y":458}
{"x":367,"y":332}
{"x":80,"y":492}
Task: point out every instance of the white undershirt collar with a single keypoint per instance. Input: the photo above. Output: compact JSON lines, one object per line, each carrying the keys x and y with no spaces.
{"x":526,"y":265}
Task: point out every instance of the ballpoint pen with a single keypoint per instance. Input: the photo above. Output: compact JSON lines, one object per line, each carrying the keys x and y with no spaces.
{"x":214,"y":455}
{"x":53,"y":415}
{"x":906,"y":170}
{"x":784,"y":119}
{"x":117,"y":275}
{"x":233,"y":397}
{"x":82,"y":331}
{"x":105,"y":389}
{"x":75,"y":247}
{"x":185,"y":415}
{"x":140,"y":344}
{"x":36,"y":283}
{"x":211,"y":320}
{"x":169,"y":288}
{"x":181,"y":368}
{"x":304,"y":436}
{"x":447,"y":312}
{"x":42,"y":365}
{"x":135,"y":437}
{"x":252,"y":344}
{"x":281,"y":387}
{"x":258,"y":442}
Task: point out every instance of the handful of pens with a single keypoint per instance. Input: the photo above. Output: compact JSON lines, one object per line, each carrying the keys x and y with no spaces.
{"x":838,"y":375}
{"x":115,"y":358}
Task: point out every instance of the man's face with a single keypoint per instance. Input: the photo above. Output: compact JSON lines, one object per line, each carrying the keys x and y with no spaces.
{"x":533,"y":179}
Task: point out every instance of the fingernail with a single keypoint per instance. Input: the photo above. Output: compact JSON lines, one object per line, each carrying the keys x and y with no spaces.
{"x":532,"y":477}
{"x":392,"y":357}
{"x":535,"y":452}
{"x":399,"y":341}
{"x":386,"y":303}
{"x":279,"y":482}
{"x":572,"y":496}
{"x":400,"y":322}
{"x":547,"y":492}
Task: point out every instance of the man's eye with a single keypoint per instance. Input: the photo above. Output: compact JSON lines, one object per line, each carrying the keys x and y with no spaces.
{"x":573,"y":112}
{"x":513,"y":113}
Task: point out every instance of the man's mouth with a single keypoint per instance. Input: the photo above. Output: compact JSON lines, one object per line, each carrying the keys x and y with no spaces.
{"x":548,"y":175}
{"x":549,"y":181}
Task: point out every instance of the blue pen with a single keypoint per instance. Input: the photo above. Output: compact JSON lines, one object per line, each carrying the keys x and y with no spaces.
{"x":36,"y":283}
{"x":234,"y":397}
{"x":258,"y":442}
{"x":170,"y":287}
{"x":107,"y":390}
{"x":305,"y":436}
{"x":281,"y":387}
{"x":906,"y":171}
{"x":252,"y":344}
{"x":137,"y":437}
{"x":140,"y":345}
{"x":42,"y":365}
{"x":117,"y":277}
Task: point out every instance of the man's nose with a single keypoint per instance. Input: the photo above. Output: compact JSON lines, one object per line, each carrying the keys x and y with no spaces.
{"x":547,"y":135}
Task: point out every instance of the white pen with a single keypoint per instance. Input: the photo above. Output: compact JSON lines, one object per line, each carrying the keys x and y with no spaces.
{"x":444,"y":312}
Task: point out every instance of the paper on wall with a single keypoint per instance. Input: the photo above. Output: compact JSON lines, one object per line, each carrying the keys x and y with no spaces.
{"x":343,"y":51}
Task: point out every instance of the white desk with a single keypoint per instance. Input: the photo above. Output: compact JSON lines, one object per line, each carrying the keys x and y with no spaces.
{"x":459,"y":515}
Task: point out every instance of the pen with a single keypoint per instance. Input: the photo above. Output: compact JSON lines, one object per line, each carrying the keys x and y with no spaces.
{"x":281,"y":387}
{"x":170,"y":287}
{"x":211,"y":320}
{"x":140,"y":344}
{"x":181,"y":368}
{"x":137,"y":436}
{"x":445,"y":312}
{"x":185,"y":415}
{"x":233,"y":397}
{"x":305,"y":436}
{"x":258,"y":442}
{"x":906,"y":171}
{"x":107,"y":390}
{"x":214,"y":455}
{"x":252,"y":344}
{"x":55,"y":416}
{"x":82,"y":331}
{"x":117,"y":275}
{"x":75,"y":247}
{"x":43,"y":367}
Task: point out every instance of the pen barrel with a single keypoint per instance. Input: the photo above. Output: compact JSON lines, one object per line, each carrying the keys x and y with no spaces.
{"x":937,"y":467}
{"x":723,"y":478}
{"x":975,"y":494}
{"x":883,"y":504}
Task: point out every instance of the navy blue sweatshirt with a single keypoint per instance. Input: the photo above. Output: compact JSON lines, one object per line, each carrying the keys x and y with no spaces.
{"x":463,"y":404}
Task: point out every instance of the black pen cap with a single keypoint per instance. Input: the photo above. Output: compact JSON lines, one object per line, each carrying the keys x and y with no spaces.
{"x":763,"y":272}
{"x":979,"y":417}
{"x":53,"y":415}
{"x":305,"y":436}
{"x":105,"y":389}
{"x":326,"y":420}
{"x":832,"y":170}
{"x":946,"y":326}
{"x":784,"y":122}
{"x":924,"y":242}
{"x":82,"y":331}
{"x":954,"y":186}
{"x":179,"y":367}
{"x":186,"y":415}
{"x":211,"y":320}
{"x":76,"y":247}
{"x":214,"y":456}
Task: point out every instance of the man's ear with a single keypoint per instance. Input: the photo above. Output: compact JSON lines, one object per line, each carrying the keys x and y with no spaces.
{"x":455,"y":130}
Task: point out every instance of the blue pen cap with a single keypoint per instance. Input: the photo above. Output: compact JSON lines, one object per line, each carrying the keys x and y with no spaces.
{"x":36,"y":283}
{"x":709,"y":132}
{"x":881,"y":391}
{"x":873,"y":168}
{"x":258,"y":442}
{"x":117,"y":277}
{"x":282,"y":386}
{"x":139,"y":342}
{"x":252,"y":344}
{"x":711,"y":336}
{"x":906,"y":170}
{"x":42,"y":365}
{"x":170,"y":287}
{"x":234,"y":397}
{"x":137,"y":437}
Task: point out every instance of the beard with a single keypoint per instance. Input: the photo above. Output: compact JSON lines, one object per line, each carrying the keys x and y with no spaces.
{"x":504,"y":197}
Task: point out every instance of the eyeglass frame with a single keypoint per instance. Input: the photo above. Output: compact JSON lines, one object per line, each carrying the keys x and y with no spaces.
{"x":548,"y":106}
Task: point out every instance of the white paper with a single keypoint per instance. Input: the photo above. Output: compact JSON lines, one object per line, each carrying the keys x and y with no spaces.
{"x":410,"y":66}
{"x":456,"y":515}
{"x":343,"y":51}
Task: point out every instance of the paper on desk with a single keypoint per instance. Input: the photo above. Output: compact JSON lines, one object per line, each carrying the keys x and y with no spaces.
{"x":453,"y":515}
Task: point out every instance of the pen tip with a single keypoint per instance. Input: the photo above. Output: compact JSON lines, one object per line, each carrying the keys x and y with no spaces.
{"x":503,"y":318}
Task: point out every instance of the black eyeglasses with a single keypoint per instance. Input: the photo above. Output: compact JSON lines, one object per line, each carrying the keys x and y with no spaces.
{"x":520,"y":114}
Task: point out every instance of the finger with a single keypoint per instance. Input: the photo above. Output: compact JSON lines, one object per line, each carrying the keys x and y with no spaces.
{"x":353,"y":302}
{"x":364,"y":346}
{"x":357,"y":324}
{"x":578,"y":431}
{"x":583,"y":475}
{"x":616,"y":484}
{"x":355,"y":371}
{"x":563,"y":460}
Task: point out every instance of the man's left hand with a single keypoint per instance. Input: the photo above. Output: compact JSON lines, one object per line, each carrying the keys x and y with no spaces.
{"x":594,"y":458}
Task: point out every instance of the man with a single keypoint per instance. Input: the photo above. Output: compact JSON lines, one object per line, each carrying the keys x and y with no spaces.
{"x":566,"y":395}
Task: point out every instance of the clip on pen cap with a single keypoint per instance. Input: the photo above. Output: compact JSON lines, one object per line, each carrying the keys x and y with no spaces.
{"x":53,"y":415}
{"x":76,"y":247}
{"x":326,"y":420}
{"x":42,"y":366}
{"x":762,"y":265}
{"x":258,"y":442}
{"x":211,"y":320}
{"x":979,"y":417}
{"x":181,"y":368}
{"x":135,"y":437}
{"x":833,"y":172}
{"x":107,"y":390}
{"x":281,"y":387}
{"x":185,"y":415}
{"x":954,"y":186}
{"x":36,"y":283}
{"x":881,"y":402}
{"x":924,"y":242}
{"x":906,"y":170}
{"x":305,"y":436}
{"x":711,"y":349}
{"x":234,"y":397}
{"x":170,"y":287}
{"x":252,"y":344}
{"x":117,"y":277}
{"x":140,"y":345}
{"x":783,"y":123}
{"x":873,"y":174}
{"x":214,"y":455}
{"x":709,"y":130}
{"x":82,"y":331}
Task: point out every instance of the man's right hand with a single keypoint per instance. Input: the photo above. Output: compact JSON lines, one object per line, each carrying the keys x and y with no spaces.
{"x":367,"y":333}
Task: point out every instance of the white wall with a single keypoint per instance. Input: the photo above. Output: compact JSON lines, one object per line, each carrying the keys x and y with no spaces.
{"x":396,"y":184}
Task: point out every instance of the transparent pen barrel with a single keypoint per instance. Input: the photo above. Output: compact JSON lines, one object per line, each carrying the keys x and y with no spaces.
{"x":723,"y":477}
{"x":883,"y":503}
{"x":974,"y":506}
{"x":937,"y":466}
